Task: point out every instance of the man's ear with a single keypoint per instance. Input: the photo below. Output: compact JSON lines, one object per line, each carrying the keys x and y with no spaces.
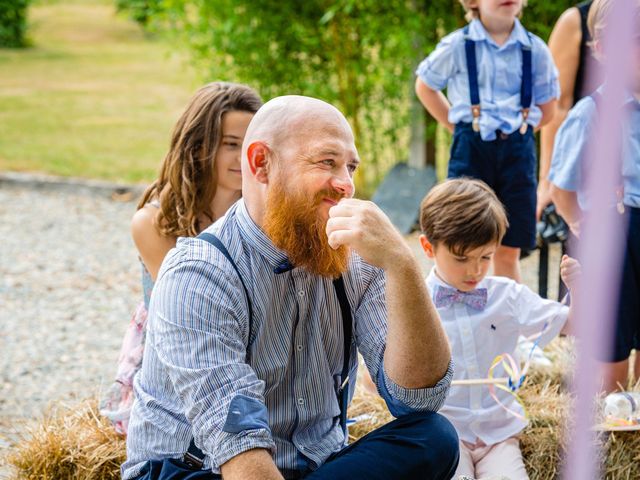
{"x":427,"y":246}
{"x":257,"y":156}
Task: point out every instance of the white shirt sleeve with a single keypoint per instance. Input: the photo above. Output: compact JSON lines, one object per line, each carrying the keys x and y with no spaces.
{"x":538,"y":317}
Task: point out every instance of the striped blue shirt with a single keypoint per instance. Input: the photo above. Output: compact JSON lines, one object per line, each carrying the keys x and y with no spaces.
{"x":499,"y":77}
{"x":199,"y":380}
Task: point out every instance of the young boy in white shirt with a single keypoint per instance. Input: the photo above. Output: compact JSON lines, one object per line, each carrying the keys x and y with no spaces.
{"x":463,"y":222}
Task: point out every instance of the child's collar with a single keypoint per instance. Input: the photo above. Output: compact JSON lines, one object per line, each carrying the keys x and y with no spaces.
{"x":478,"y":33}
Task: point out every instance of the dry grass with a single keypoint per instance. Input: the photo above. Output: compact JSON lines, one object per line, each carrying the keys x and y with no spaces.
{"x":75,"y":443}
{"x":71,"y":443}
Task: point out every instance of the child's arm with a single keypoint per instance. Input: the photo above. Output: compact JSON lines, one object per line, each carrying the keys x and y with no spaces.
{"x":564,"y":44}
{"x":152,"y":246}
{"x":435,"y":102}
{"x":548,"y":111}
{"x":567,"y":205}
{"x":570,"y":272}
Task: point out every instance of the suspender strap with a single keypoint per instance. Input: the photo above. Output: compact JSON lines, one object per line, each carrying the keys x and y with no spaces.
{"x":472,"y":75}
{"x":526,"y":88}
{"x":472,"y":68}
{"x":347,"y":326}
{"x":215,"y":241}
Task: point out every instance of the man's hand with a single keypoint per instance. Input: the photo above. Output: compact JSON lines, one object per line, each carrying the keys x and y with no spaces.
{"x":417,"y":350}
{"x":363,"y":227}
{"x":255,"y":464}
{"x":570,"y":271}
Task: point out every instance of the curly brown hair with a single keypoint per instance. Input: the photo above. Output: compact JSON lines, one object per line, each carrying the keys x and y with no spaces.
{"x":187,"y":182}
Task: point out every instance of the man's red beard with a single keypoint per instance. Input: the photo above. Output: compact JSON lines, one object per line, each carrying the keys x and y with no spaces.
{"x":293,"y":224}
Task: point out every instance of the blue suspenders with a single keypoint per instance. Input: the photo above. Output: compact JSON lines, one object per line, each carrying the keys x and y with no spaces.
{"x":194,"y":457}
{"x":526,"y":87}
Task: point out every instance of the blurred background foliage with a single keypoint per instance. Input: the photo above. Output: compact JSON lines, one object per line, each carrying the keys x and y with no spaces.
{"x":13,"y":23}
{"x":357,"y":54}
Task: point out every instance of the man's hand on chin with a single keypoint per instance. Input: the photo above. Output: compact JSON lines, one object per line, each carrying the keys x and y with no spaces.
{"x":362,"y":226}
{"x":254,"y":464}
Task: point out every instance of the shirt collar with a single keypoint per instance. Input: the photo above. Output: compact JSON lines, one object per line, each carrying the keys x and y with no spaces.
{"x":478,"y":33}
{"x":254,"y":235}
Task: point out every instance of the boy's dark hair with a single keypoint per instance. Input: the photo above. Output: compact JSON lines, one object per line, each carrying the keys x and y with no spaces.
{"x":463,"y":214}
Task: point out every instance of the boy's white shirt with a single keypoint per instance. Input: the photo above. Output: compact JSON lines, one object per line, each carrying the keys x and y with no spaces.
{"x":514,"y":310}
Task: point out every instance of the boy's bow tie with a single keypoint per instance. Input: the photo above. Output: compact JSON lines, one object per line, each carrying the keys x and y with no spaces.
{"x":476,"y":299}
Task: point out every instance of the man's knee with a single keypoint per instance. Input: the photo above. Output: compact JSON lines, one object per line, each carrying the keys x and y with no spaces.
{"x":438,"y":442}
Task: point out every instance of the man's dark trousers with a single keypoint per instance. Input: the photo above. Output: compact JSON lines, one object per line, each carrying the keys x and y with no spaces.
{"x":421,"y":446}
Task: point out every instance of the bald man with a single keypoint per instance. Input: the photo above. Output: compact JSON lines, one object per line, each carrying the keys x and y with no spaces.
{"x":254,"y":327}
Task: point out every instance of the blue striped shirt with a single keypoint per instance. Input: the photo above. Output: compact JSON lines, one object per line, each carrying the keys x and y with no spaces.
{"x":199,"y":380}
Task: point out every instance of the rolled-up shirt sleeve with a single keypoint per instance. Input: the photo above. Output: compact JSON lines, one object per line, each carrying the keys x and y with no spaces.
{"x":371,"y":334}
{"x":402,"y":401}
{"x":439,"y":66}
{"x":200,"y":334}
{"x":546,"y":86}
{"x":569,"y":147}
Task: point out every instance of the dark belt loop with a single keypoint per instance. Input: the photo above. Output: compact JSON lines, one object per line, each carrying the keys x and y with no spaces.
{"x":526,"y":88}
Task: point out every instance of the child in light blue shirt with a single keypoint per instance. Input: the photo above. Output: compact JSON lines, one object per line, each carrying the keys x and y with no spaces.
{"x":501,"y":84}
{"x":567,"y":176}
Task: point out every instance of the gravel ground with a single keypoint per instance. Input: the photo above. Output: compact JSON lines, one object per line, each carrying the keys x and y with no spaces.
{"x":69,"y":281}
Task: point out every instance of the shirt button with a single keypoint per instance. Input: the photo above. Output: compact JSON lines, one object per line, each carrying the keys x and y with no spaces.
{"x":299,"y":347}
{"x":301,"y":293}
{"x":301,"y":401}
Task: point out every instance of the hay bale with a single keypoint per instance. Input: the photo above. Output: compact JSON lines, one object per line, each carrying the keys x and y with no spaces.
{"x":76,"y":443}
{"x":548,"y":403}
{"x":70,"y":442}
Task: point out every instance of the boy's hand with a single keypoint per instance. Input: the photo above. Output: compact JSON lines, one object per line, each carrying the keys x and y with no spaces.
{"x":570,"y":271}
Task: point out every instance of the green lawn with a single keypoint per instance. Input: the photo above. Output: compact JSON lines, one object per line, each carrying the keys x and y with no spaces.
{"x":93,"y":97}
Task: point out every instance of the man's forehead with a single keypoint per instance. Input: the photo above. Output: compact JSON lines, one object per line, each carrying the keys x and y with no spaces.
{"x":327,"y":142}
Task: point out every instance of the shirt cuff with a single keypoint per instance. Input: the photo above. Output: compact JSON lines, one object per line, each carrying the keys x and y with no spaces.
{"x":228,"y":445}
{"x":547,"y":92}
{"x":431,"y":79}
{"x":562,"y":180}
{"x":402,"y":401}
